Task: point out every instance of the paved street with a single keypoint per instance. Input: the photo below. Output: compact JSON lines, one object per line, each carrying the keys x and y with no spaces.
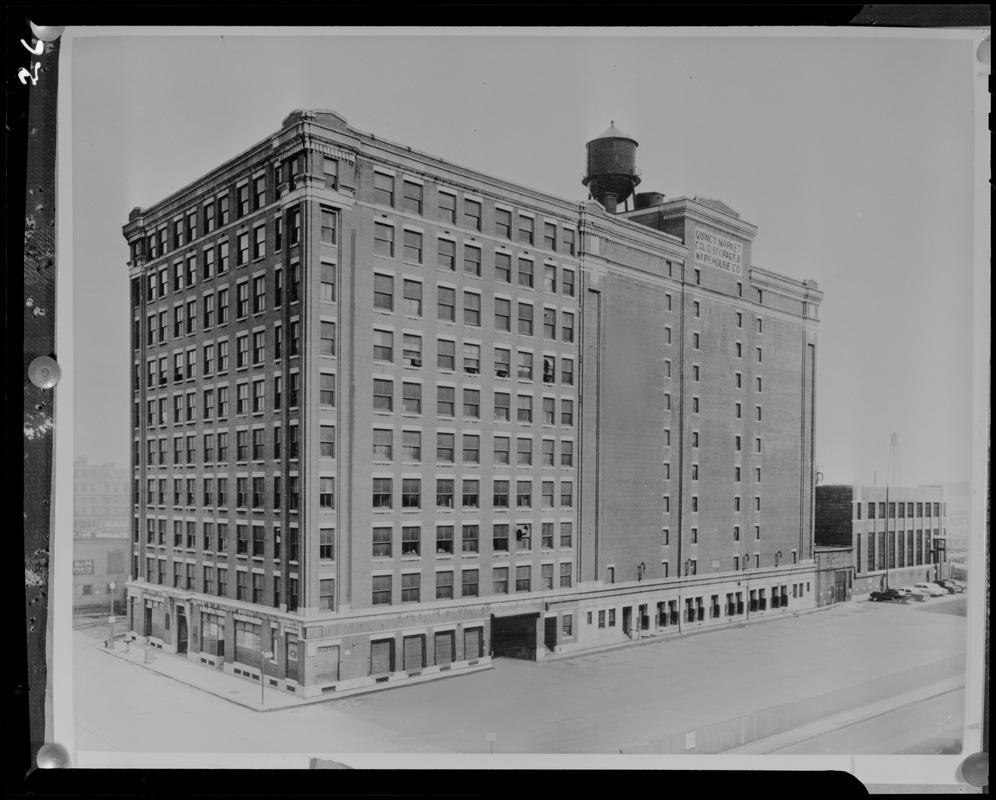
{"x":596,"y":703}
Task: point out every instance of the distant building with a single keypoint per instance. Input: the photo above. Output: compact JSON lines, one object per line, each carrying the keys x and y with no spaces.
{"x":834,"y":574}
{"x":102,"y":513}
{"x":392,"y":416}
{"x":896,"y":533}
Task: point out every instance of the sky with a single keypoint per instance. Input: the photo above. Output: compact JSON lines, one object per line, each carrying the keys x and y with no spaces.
{"x":853,"y":155}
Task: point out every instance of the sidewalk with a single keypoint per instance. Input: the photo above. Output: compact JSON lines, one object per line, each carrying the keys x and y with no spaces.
{"x":241,"y":691}
{"x":849,"y":717}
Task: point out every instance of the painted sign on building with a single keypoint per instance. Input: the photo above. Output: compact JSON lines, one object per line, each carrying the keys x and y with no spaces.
{"x":716,"y":250}
{"x":83,"y":567}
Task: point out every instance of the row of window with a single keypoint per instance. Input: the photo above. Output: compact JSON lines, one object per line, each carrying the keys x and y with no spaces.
{"x":470,"y":452}
{"x":249,"y":587}
{"x":249,"y":396}
{"x":383,"y":539}
{"x":470,"y":214}
{"x":695,"y":473}
{"x":911,"y":550}
{"x":250,"y":299}
{"x":470,"y":496}
{"x":446,"y":403}
{"x":250,"y":492}
{"x":901,"y":509}
{"x":446,"y":308}
{"x":250,"y":540}
{"x":411,"y":582}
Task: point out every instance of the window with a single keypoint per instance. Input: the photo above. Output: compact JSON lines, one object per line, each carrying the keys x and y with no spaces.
{"x":383,"y":398}
{"x":471,"y":449}
{"x":525,"y":319}
{"x":412,"y":197}
{"x":470,"y":578}
{"x":522,"y":578}
{"x":471,"y":494}
{"x":412,"y":298}
{"x":566,"y":412}
{"x":472,"y":403}
{"x":565,"y":534}
{"x":567,"y":371}
{"x":526,"y":273}
{"x":411,"y":398}
{"x":413,"y":247}
{"x":327,"y":441}
{"x":566,"y":494}
{"x":503,"y":365}
{"x":527,"y":226}
{"x":445,"y":401}
{"x":472,"y":260}
{"x":444,"y":491}
{"x":326,"y":393}
{"x":549,"y":410}
{"x":383,"y":346}
{"x":381,"y":586}
{"x":471,"y":213}
{"x":411,"y":445}
{"x":502,"y":446}
{"x":383,"y":292}
{"x":500,"y":494}
{"x":445,"y":354}
{"x":447,"y":207}
{"x":382,"y":493}
{"x":523,"y":494}
{"x":550,"y":235}
{"x":410,"y":587}
{"x":550,"y":323}
{"x":411,"y":541}
{"x":327,"y":338}
{"x":503,"y":223}
{"x":546,"y":501}
{"x":567,"y":326}
{"x":470,"y":539}
{"x":383,"y":189}
{"x":524,"y":409}
{"x":444,"y":539}
{"x":384,"y":239}
{"x":472,"y":358}
{"x":330,"y":170}
{"x":382,"y":444}
{"x":472,"y":309}
{"x":567,"y":277}
{"x":503,"y":314}
{"x":381,"y":543}
{"x":446,"y":308}
{"x":444,"y":583}
{"x":499,"y":578}
{"x":503,"y":267}
{"x":525,"y":370}
{"x":411,"y":351}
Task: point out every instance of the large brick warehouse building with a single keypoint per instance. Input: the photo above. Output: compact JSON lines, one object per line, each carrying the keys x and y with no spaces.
{"x":393,"y":417}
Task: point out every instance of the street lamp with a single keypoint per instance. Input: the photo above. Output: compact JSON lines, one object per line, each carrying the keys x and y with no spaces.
{"x":110,"y":618}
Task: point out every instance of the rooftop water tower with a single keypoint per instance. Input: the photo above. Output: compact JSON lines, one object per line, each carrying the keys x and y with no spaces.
{"x":612,"y":174}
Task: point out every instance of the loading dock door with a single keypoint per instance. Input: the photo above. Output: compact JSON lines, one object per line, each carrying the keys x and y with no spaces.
{"x":414,"y":648}
{"x":327,"y":664}
{"x":382,"y":657}
{"x":514,"y":637}
{"x":473,"y":643}
{"x":444,"y":648}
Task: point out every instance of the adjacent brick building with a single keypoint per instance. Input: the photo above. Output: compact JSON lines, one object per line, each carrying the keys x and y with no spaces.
{"x":102,"y":513}
{"x":393,"y":416}
{"x":896,"y":534}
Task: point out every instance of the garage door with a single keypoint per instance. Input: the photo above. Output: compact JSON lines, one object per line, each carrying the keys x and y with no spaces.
{"x":515,"y":636}
{"x":381,"y":656}
{"x":414,"y":653}
{"x":444,"y":648}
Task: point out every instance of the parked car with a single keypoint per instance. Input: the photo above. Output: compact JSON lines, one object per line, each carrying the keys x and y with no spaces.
{"x":931,"y":588}
{"x":950,"y":585}
{"x":917,"y":594}
{"x":961,"y":586}
{"x":889,"y":595}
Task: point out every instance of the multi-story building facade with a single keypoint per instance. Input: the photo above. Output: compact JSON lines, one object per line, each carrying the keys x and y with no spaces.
{"x":897,"y":534}
{"x":393,"y":416}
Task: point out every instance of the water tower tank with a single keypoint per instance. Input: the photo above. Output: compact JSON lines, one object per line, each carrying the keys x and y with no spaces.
{"x":612,"y":174}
